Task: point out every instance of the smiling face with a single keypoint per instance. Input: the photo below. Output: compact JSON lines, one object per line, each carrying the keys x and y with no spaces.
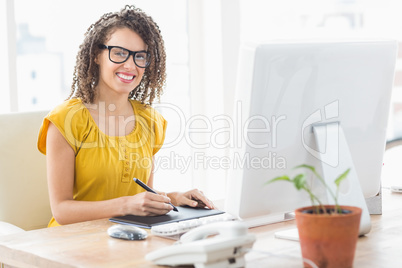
{"x":120,"y":78}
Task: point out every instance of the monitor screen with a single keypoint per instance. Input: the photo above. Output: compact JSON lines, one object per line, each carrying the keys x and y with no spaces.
{"x":286,"y":88}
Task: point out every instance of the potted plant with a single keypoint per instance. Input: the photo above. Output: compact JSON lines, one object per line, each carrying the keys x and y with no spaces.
{"x":328,"y":234}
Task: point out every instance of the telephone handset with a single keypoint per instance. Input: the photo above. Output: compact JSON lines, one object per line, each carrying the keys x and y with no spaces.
{"x":217,"y":244}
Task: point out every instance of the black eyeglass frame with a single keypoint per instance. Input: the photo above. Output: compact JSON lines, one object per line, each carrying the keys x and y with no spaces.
{"x":101,"y":46}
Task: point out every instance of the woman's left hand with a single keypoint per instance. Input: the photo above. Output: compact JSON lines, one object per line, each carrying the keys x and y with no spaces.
{"x":193,"y":198}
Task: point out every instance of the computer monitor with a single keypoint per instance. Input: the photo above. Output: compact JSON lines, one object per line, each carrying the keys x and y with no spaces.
{"x":324,"y":104}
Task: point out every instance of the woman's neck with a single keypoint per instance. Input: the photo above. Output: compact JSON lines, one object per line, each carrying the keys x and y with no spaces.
{"x":113,"y":106}
{"x":114,"y":116}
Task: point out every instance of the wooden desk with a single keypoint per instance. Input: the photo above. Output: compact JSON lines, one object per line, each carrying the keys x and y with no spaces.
{"x":88,"y":245}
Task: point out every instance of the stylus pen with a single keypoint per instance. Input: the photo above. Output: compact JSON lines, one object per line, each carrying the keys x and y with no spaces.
{"x":146,"y":187}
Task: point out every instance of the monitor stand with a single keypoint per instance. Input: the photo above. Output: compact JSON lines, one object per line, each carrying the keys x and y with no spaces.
{"x":374,"y":203}
{"x":269,"y":219}
{"x":336,"y":159}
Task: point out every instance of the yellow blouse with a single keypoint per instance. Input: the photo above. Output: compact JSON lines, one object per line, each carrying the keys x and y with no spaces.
{"x":106,"y":165}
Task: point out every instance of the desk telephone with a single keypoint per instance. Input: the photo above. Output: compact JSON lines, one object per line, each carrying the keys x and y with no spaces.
{"x":218,"y":244}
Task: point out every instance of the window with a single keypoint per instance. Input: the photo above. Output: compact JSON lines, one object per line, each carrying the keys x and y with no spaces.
{"x":292,"y":19}
{"x":47,"y":42}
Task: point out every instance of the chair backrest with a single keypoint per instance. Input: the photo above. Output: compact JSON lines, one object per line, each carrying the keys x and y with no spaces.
{"x":24,"y":199}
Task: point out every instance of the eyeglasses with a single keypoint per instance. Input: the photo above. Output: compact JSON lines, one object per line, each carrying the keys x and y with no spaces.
{"x":119,"y":55}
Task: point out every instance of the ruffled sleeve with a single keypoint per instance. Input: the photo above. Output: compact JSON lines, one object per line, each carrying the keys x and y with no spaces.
{"x":72,"y":120}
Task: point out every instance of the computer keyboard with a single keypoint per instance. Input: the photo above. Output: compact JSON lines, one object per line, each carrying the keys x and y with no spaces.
{"x":175,"y":229}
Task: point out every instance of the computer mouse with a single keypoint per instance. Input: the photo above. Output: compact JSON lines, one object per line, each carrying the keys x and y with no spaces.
{"x":127,"y":232}
{"x":396,"y":189}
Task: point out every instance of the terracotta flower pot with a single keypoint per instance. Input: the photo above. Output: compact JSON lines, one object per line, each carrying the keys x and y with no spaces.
{"x":328,"y":240}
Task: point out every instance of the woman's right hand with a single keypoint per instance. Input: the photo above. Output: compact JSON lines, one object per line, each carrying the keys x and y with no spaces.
{"x":148,"y":204}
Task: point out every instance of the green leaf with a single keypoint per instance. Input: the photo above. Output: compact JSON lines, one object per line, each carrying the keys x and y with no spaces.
{"x":306,"y":166}
{"x":281,"y":178}
{"x":342,"y":177}
{"x":299,"y":181}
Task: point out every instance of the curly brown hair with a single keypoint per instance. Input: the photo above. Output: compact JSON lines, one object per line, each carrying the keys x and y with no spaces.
{"x":86,"y":71}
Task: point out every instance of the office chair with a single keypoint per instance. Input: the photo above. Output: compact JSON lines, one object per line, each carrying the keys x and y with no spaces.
{"x":24,"y":199}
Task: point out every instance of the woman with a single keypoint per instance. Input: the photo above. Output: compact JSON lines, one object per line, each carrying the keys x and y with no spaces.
{"x":106,"y":133}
